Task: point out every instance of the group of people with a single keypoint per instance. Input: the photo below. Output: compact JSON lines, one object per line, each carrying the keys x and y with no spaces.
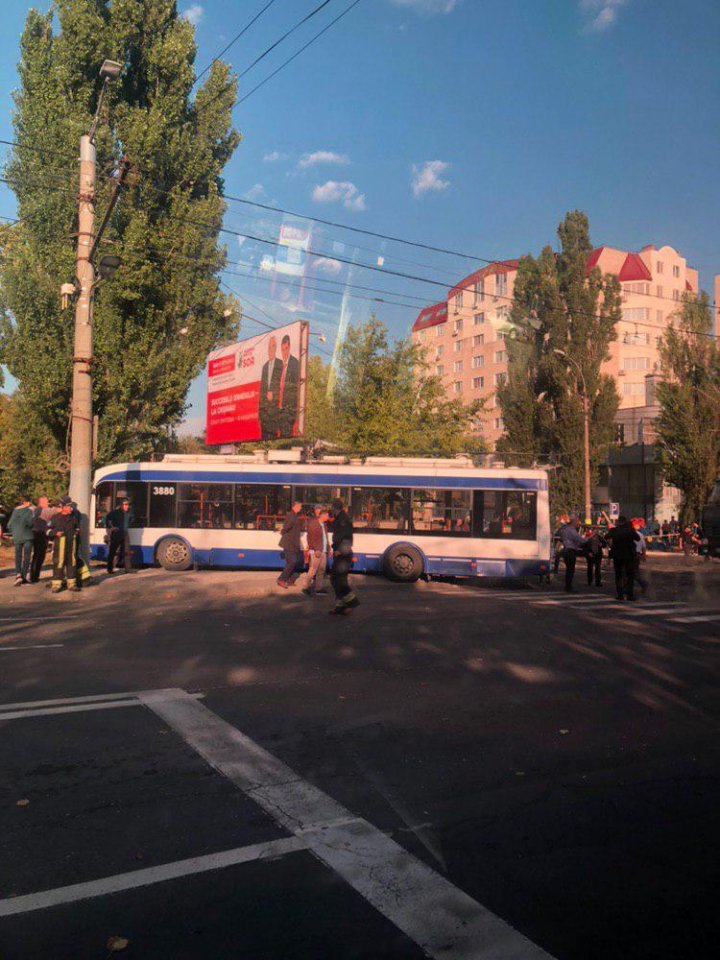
{"x":34,"y":527}
{"x":627,"y":546}
{"x":321,"y":547}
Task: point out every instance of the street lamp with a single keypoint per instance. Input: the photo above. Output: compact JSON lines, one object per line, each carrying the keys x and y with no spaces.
{"x":586,"y":426}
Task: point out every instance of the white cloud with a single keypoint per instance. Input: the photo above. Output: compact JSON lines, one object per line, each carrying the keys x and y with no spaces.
{"x":600,"y":14}
{"x":428,"y":6}
{"x":347,"y":192}
{"x":426,"y":177}
{"x":194,"y":14}
{"x":256,"y":191}
{"x":327,"y":265}
{"x":322,"y":156}
{"x":274,"y":156}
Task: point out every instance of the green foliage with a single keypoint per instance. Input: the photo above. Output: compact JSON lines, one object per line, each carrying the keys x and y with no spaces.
{"x":385,"y":400}
{"x":558,"y":306}
{"x":168,"y":280}
{"x":689,"y":424}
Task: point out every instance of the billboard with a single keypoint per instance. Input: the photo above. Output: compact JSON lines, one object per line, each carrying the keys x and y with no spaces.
{"x":256,"y":388}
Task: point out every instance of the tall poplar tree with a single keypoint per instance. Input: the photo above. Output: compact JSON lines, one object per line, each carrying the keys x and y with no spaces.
{"x":688,"y":427}
{"x":156,"y":319}
{"x":560,"y":306}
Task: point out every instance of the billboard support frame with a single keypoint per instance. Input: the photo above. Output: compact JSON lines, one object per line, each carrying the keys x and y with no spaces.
{"x":304,"y":354}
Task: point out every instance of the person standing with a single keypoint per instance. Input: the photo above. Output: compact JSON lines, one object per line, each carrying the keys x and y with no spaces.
{"x":342,"y":542}
{"x":640,"y":555}
{"x":572,"y":545}
{"x":290,"y":545}
{"x":117,"y":523}
{"x":42,"y":515}
{"x":20,"y":526}
{"x":63,"y":531}
{"x":623,"y":538}
{"x":594,"y":545}
{"x":317,"y":541}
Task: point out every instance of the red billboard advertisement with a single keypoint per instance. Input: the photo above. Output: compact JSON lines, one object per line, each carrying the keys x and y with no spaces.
{"x":256,"y":388}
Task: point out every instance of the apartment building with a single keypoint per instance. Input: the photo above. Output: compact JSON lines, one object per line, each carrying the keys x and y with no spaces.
{"x":465,"y":334}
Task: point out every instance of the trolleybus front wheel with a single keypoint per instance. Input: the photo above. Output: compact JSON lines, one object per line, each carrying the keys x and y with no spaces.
{"x":174,"y":554}
{"x":403,"y":564}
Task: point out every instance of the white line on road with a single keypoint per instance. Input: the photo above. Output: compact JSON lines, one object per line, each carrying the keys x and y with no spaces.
{"x":636,"y":611}
{"x":49,"y":708}
{"x":445,"y":922}
{"x":69,"y":616}
{"x":77,"y":708}
{"x":33,"y":646}
{"x":144,"y":878}
{"x":700,"y":618}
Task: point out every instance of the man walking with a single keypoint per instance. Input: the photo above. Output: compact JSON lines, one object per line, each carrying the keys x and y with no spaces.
{"x":622,"y":539}
{"x":63,"y":532}
{"x":290,"y":545}
{"x":572,"y":545}
{"x":117,"y":523}
{"x":342,"y":541}
{"x":640,"y":555}
{"x":20,"y":526}
{"x":42,"y":515}
{"x":594,"y":544}
{"x":317,"y":541}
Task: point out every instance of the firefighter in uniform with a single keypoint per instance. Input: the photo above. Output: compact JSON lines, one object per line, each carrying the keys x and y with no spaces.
{"x":64,"y":530}
{"x":342,"y":540}
{"x":84,"y":577}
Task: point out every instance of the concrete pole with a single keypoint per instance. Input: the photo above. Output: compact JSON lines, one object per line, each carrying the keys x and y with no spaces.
{"x":81,"y":442}
{"x":586,"y":418}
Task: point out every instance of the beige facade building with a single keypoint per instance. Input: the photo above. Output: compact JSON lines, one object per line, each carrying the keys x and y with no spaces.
{"x":465,"y":334}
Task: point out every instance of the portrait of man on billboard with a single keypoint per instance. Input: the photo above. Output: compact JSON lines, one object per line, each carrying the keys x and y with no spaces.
{"x":287,"y":390}
{"x":269,"y":386}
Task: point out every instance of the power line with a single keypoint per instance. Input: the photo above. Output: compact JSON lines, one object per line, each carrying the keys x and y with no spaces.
{"x":298,"y":52}
{"x":233,"y":41}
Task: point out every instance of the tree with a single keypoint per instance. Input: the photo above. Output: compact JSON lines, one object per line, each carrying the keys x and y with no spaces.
{"x":165,"y":227}
{"x":386,"y":401}
{"x":688,"y":427}
{"x":559,"y":306}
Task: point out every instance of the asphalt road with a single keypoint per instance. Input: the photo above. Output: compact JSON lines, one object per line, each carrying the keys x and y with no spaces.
{"x":452,"y":770}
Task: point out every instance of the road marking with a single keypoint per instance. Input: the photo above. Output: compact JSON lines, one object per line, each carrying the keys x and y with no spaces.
{"x":32,"y":704}
{"x":69,"y":616}
{"x":637,"y":611}
{"x":594,"y":602}
{"x":77,"y":708}
{"x":700,"y":618}
{"x":49,"y":708}
{"x":33,"y":646}
{"x":150,"y":875}
{"x":445,"y":922}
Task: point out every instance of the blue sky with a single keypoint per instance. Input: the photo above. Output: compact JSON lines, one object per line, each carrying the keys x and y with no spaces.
{"x":467,"y":124}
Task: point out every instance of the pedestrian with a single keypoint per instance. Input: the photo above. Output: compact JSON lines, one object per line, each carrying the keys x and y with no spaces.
{"x":63,"y":532}
{"x":290,"y":545}
{"x":674,"y":525}
{"x":20,"y":527}
{"x":572,"y":545}
{"x":687,"y":539}
{"x":117,"y":523}
{"x":342,"y":541}
{"x":594,"y":545}
{"x":317,"y":542}
{"x":622,"y":539}
{"x":557,"y":544}
{"x":42,"y":515}
{"x":84,"y":577}
{"x":640,"y":556}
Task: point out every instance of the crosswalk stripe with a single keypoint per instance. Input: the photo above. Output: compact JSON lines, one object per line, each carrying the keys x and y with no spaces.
{"x":700,"y":618}
{"x":652,"y":612}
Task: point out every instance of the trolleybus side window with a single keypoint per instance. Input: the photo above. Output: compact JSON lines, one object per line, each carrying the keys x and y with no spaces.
{"x":208,"y":506}
{"x":261,"y":506}
{"x":136,"y":491}
{"x":442,"y":512}
{"x":380,"y":509}
{"x":312,"y":496}
{"x":505,"y":514}
{"x":104,"y":502}
{"x":163,"y":498}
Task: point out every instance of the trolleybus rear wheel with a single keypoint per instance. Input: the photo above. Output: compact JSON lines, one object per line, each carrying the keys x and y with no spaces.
{"x":403,"y":564}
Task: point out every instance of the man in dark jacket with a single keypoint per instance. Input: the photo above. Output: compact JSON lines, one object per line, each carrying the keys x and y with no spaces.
{"x":63,"y":531}
{"x":622,"y":539}
{"x":595,"y":543}
{"x":290,"y":545}
{"x":287,"y":390}
{"x":117,"y":523}
{"x":342,"y":542}
{"x":20,"y":526}
{"x":42,"y":515}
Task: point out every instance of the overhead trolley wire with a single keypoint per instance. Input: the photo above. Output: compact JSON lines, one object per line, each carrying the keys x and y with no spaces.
{"x":233,"y":41}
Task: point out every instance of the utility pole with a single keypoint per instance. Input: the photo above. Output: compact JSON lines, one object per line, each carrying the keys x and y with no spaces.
{"x":81,"y":442}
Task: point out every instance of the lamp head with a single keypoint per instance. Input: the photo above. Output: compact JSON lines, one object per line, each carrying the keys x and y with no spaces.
{"x":108,"y":265}
{"x":110,"y":70}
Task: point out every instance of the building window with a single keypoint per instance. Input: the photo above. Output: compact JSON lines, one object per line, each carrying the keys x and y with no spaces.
{"x":478,"y":361}
{"x":634,"y":389}
{"x":457,"y":325}
{"x":479,"y":292}
{"x":421,"y":335}
{"x":659,"y":266}
{"x":440,"y":370}
{"x":500,"y":284}
{"x":479,"y":318}
{"x":636,"y":363}
{"x":439,"y":352}
{"x":458,"y":301}
{"x":501,"y":356}
{"x":478,"y":383}
{"x":676,"y":271}
{"x":659,"y":316}
{"x":501,"y":336}
{"x":636,"y":288}
{"x":676,"y":294}
{"x":499,"y":423}
{"x":440,"y":330}
{"x":659,"y":291}
{"x":500,"y":378}
{"x":635,"y":314}
{"x":457,"y":386}
{"x":457,"y":346}
{"x":658,"y":342}
{"x":478,"y":339}
{"x":457,"y":366}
